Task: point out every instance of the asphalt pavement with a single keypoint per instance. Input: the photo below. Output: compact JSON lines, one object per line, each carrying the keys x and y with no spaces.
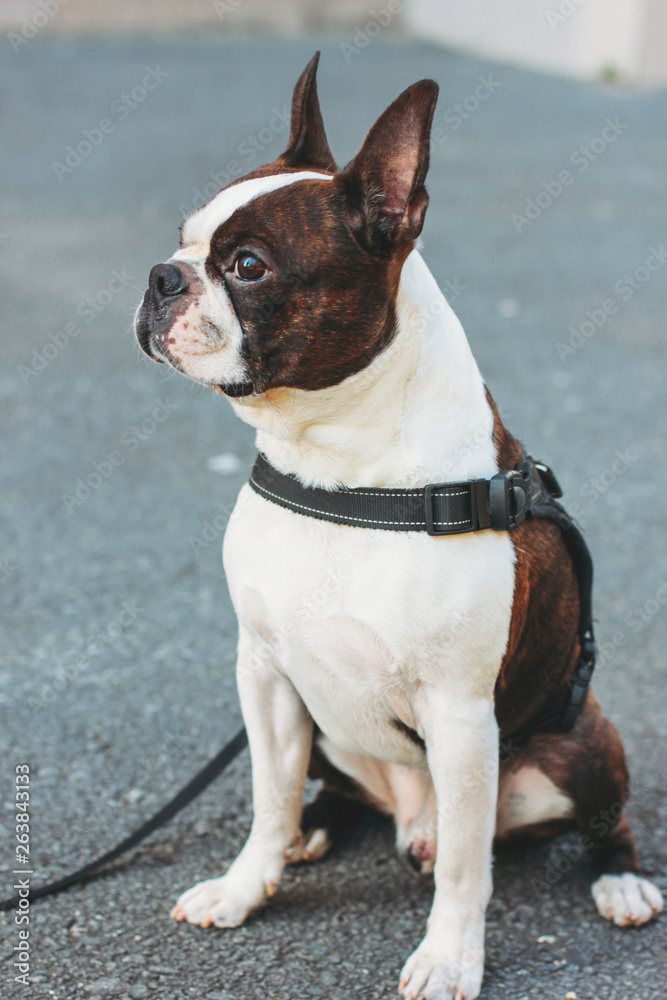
{"x":547,"y":229}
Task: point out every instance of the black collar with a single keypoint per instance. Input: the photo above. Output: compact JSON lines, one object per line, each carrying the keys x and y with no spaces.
{"x":501,"y":502}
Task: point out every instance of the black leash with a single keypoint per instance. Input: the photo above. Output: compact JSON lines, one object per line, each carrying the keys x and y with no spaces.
{"x":202,"y":780}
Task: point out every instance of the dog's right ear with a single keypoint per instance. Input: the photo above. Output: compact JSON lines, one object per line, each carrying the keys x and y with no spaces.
{"x":384,"y":184}
{"x":307,"y":145}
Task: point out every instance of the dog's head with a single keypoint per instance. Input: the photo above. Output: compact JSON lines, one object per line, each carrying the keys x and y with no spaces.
{"x":288,"y":277}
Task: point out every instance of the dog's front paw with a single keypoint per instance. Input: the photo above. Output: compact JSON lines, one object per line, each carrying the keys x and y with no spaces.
{"x":225,"y":902}
{"x":426,"y":976}
{"x":629,"y":900}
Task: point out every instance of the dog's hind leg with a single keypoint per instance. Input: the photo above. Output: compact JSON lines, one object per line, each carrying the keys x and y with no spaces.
{"x":579,"y":779}
{"x":322,"y":822}
{"x":351,"y":785}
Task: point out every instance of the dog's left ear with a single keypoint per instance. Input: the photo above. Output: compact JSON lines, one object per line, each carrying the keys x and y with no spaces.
{"x":308,"y":145}
{"x":384,"y":184}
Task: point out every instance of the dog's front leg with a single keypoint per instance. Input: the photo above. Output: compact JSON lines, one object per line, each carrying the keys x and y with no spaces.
{"x":280,"y":733}
{"x":462,"y":750}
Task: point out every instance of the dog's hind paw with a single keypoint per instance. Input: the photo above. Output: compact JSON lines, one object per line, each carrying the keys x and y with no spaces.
{"x":421,"y":855}
{"x":629,"y":900}
{"x":310,"y":846}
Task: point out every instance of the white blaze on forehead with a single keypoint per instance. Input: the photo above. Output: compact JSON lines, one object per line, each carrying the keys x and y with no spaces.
{"x":206,"y":340}
{"x":199,"y":228}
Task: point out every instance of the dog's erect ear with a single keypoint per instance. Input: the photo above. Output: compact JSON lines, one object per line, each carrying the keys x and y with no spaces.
{"x":307,"y":146}
{"x":384,"y":183}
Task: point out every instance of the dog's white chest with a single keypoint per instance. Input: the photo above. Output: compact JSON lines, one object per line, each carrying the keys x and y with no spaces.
{"x":362,"y":621}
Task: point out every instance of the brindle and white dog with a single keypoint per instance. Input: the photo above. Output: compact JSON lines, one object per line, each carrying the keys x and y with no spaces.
{"x":299,"y":293}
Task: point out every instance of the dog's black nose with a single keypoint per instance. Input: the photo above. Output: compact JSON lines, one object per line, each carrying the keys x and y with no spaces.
{"x":167,"y":281}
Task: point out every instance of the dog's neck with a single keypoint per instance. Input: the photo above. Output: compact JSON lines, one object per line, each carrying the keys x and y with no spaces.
{"x":417,"y":414}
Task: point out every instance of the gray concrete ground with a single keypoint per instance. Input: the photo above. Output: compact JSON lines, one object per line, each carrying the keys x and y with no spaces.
{"x":117,"y":666}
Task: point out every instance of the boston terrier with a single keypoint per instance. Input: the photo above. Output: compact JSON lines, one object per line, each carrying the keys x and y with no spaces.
{"x":391,"y":664}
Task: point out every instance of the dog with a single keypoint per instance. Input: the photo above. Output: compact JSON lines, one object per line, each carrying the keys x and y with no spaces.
{"x":299,"y":292}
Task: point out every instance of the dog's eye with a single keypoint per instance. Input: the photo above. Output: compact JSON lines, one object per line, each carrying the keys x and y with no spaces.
{"x":249,"y":268}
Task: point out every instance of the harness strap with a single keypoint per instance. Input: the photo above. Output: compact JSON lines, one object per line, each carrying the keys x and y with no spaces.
{"x":500,"y":503}
{"x":583,"y":564}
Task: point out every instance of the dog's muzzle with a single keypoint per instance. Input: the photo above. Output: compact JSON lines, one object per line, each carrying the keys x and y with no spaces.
{"x":173,"y":287}
{"x":167,"y":285}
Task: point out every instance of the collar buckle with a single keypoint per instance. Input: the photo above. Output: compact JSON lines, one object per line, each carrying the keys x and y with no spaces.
{"x":510,"y":499}
{"x":479,"y":507}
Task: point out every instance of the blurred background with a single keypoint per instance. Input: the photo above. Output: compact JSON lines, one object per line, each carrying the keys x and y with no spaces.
{"x":583,"y":38}
{"x":547,"y":231}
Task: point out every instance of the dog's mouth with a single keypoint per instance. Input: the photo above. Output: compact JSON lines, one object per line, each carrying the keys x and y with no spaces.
{"x":235,"y":389}
{"x":144,"y":333}
{"x":156,"y":351}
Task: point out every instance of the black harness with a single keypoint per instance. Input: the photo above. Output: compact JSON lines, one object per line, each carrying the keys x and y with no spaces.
{"x":500,"y":503}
